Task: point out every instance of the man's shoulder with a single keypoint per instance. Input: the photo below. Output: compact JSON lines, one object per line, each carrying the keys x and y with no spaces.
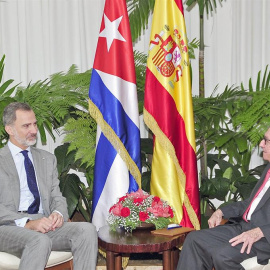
{"x":41,"y":152}
{"x":4,"y":150}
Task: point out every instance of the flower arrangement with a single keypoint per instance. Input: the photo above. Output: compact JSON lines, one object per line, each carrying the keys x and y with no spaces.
{"x":137,"y":207}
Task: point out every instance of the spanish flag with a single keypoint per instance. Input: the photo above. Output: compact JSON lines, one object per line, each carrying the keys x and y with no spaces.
{"x":168,"y":112}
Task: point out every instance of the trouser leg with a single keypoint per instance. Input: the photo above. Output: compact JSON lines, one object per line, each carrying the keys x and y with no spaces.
{"x":81,"y":239}
{"x":193,"y":255}
{"x":210,"y":248}
{"x":32,"y":247}
{"x":229,"y":258}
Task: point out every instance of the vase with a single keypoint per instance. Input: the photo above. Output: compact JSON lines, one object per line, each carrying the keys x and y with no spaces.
{"x":145,"y":226}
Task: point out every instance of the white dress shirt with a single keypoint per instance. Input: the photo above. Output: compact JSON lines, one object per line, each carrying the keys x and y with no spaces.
{"x":257,"y":200}
{"x":26,"y":196}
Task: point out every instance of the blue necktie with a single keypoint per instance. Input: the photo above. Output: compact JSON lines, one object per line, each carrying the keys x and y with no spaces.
{"x":32,"y":183}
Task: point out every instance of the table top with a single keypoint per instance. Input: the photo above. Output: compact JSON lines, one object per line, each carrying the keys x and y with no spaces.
{"x":139,"y":241}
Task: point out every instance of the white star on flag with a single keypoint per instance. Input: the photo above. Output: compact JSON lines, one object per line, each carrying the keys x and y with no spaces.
{"x":110,"y":32}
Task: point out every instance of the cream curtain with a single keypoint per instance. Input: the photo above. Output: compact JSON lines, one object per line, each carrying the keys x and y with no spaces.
{"x":237,"y":41}
{"x":42,"y":37}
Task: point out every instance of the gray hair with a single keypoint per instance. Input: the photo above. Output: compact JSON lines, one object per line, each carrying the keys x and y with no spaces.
{"x":9,"y":114}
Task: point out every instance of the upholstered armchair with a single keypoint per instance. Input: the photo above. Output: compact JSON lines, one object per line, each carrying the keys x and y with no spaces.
{"x":58,"y":260}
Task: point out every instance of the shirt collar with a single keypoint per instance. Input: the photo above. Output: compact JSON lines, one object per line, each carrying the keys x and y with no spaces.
{"x":15,"y":150}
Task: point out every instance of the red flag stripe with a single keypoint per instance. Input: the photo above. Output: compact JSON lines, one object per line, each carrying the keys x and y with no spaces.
{"x":173,"y":126}
{"x":116,"y":61}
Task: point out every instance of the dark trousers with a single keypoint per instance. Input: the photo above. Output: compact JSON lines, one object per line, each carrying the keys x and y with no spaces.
{"x":210,"y":248}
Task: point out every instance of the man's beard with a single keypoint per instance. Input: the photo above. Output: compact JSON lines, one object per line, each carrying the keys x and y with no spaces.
{"x":25,"y":142}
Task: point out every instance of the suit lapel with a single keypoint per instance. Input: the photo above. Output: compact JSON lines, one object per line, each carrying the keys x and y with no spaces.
{"x":10,"y":168}
{"x":266,"y":196}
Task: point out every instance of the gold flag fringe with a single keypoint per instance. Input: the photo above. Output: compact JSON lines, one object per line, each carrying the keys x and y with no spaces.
{"x":115,"y":141}
{"x":169,"y":148}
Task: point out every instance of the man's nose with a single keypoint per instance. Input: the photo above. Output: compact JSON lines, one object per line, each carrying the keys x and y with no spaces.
{"x":34,"y":129}
{"x":262,"y":143}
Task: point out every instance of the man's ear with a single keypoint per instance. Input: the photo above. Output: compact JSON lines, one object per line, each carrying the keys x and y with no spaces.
{"x":9,"y":130}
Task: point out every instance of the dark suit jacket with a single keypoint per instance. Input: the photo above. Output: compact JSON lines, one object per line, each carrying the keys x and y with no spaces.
{"x":260,"y":217}
{"x":47,"y":177}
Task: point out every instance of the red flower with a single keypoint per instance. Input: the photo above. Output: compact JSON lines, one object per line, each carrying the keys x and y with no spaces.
{"x":136,"y":207}
{"x":116,"y":209}
{"x":157,"y":203}
{"x":138,"y":194}
{"x":138,"y":201}
{"x":143,"y":216}
{"x":171,"y":212}
{"x":125,"y":212}
{"x":159,"y":210}
{"x":122,"y":198}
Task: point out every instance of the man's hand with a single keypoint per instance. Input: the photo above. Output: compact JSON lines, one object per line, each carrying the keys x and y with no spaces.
{"x":215,"y":219}
{"x":248,"y":238}
{"x":42,"y":225}
{"x":57,"y":220}
{"x":46,"y":224}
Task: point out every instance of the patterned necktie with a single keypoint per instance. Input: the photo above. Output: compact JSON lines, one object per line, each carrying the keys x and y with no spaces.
{"x":32,"y":183}
{"x":257,"y":193}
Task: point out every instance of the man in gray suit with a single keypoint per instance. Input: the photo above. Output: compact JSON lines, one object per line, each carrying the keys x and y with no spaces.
{"x":247,"y":234}
{"x":33,"y":216}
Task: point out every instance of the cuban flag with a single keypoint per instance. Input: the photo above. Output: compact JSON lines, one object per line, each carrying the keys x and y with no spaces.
{"x":114,"y":105}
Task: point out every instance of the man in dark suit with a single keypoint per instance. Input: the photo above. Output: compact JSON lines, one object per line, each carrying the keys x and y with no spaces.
{"x":33,"y":212}
{"x":247,"y":234}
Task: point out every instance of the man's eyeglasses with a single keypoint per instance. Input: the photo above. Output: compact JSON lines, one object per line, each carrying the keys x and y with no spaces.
{"x":265,"y":140}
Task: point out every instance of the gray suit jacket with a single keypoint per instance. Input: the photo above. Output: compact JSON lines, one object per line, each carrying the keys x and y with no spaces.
{"x":47,"y":177}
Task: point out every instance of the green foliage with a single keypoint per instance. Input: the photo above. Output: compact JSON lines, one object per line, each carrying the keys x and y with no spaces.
{"x":68,"y":182}
{"x":38,"y":96}
{"x":219,"y":121}
{"x":231,"y":125}
{"x":5,"y":98}
{"x":73,"y":81}
{"x":227,"y":183}
{"x":75,"y":191}
{"x":192,"y":46}
{"x":210,"y":5}
{"x":81,"y":134}
{"x":69,"y":186}
{"x":139,"y":12}
{"x":61,"y":102}
{"x":212,"y":117}
{"x":4,"y":91}
{"x":265,"y":84}
{"x":52,"y":100}
{"x":140,"y":67}
{"x":255,"y":121}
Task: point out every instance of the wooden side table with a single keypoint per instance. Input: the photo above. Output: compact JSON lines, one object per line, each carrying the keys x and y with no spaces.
{"x":140,"y":241}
